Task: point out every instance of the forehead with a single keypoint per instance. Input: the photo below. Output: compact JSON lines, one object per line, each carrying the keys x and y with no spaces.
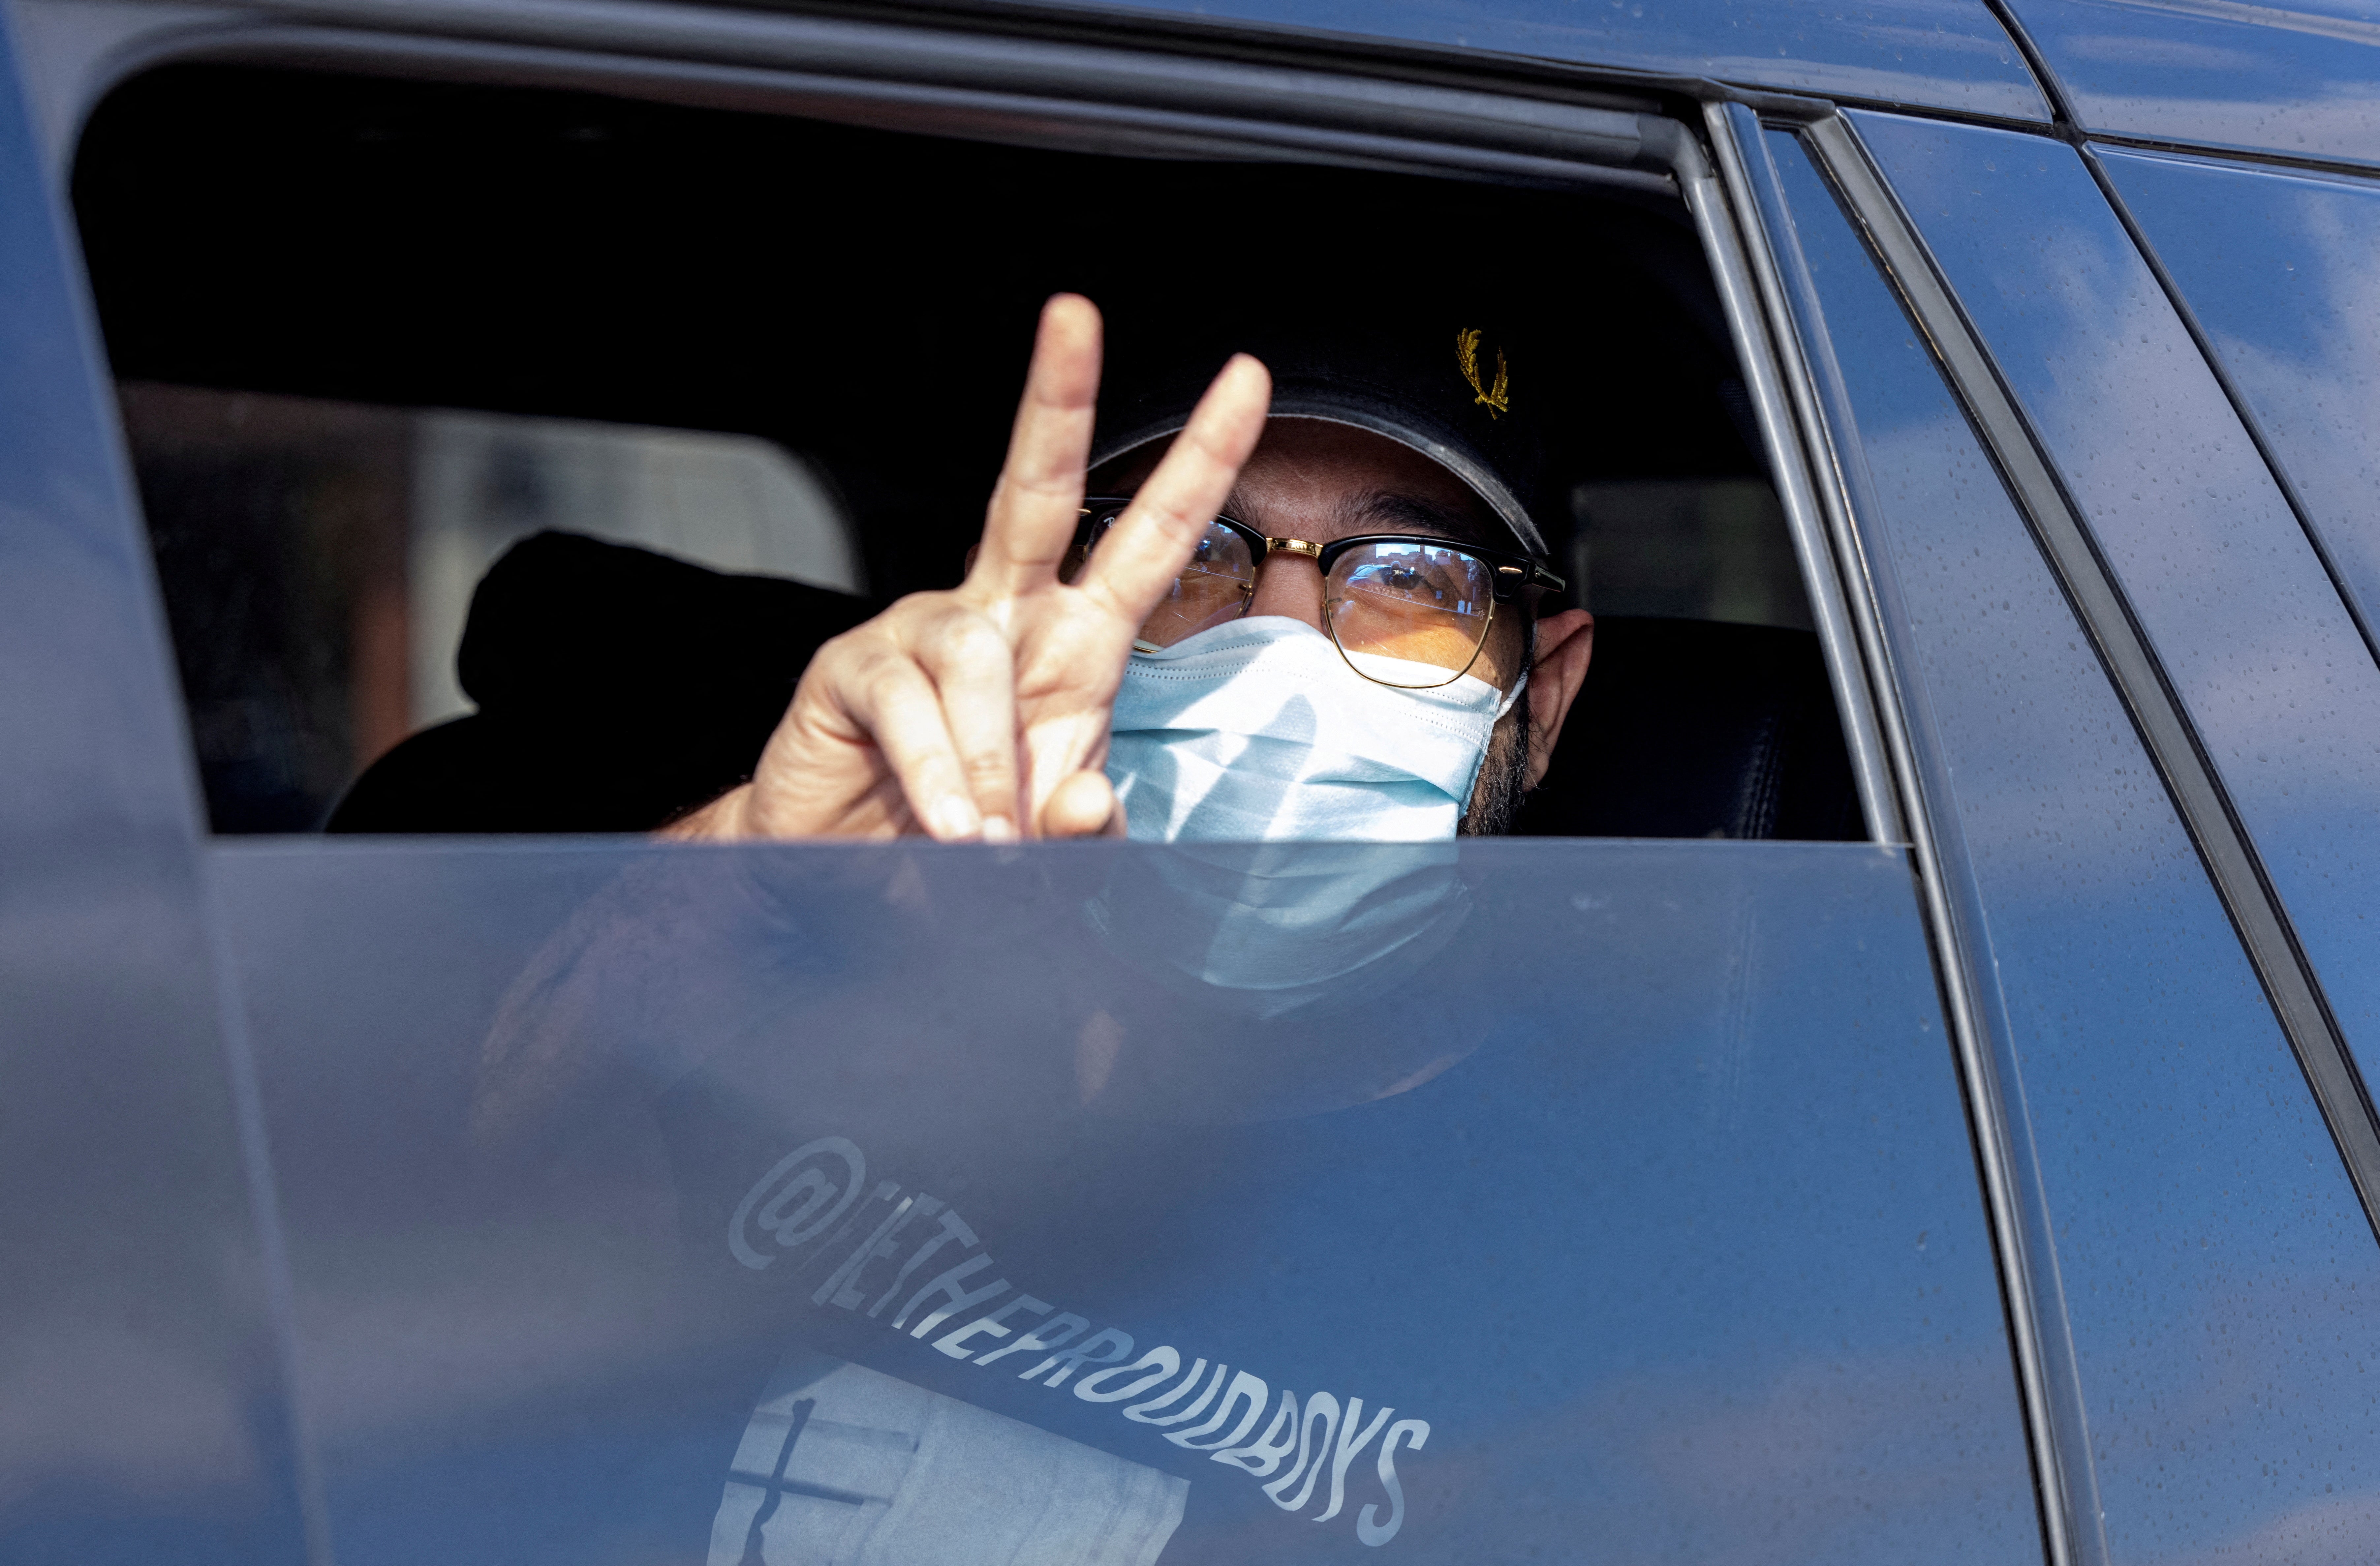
{"x":1313,"y":473}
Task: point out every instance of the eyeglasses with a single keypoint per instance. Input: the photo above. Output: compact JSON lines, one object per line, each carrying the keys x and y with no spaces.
{"x":1404,"y":609}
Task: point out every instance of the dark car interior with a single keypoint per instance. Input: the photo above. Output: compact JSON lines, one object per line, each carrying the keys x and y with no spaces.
{"x":312,"y":284}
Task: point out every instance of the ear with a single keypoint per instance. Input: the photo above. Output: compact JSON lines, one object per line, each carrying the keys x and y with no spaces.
{"x":1565,"y":641}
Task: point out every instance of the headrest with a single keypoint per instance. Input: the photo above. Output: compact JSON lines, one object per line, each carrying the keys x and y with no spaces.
{"x":1694,"y":728}
{"x":617,"y":688}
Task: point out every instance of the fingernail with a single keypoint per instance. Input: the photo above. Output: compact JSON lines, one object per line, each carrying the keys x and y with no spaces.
{"x":954,"y":818}
{"x":998,"y":829}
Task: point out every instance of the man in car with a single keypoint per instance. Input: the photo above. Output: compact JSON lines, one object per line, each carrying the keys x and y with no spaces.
{"x":1302,"y":613}
{"x":1312,"y":618}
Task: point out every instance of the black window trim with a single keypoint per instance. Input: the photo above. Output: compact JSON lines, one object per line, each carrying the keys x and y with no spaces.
{"x":2048,"y":1379}
{"x":926,"y":78}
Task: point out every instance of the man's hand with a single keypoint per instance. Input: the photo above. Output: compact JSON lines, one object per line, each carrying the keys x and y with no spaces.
{"x":983,"y":712}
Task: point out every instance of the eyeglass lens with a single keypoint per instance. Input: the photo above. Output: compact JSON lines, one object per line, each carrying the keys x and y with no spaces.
{"x":1407,"y":614}
{"x":1213,"y":588}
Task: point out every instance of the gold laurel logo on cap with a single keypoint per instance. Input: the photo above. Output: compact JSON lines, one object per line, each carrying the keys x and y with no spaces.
{"x":1496,"y":399}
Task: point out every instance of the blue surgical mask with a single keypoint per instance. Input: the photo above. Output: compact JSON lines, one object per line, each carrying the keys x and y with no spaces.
{"x":1259,"y":731}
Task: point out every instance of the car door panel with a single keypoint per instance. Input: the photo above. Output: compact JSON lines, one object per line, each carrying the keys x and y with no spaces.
{"x":143,"y":1415}
{"x":1633,"y":1202}
{"x":2249,"y":629}
{"x":2214,"y":1339}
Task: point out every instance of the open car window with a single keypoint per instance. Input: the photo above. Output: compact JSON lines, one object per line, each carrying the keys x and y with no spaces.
{"x":321,"y":560}
{"x":433,"y":322}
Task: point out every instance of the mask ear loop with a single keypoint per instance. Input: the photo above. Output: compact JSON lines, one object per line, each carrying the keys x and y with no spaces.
{"x":1528,"y":663}
{"x":1514,"y":695}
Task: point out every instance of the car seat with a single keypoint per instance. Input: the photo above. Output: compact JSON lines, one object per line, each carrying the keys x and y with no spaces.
{"x":1697,"y":728}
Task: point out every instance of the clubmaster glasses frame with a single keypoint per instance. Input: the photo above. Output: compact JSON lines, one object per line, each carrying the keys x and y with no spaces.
{"x":1510,"y":571}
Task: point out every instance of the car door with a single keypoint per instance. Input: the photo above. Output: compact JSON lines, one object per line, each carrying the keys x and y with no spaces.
{"x":2079,"y":502}
{"x":899,"y":1202}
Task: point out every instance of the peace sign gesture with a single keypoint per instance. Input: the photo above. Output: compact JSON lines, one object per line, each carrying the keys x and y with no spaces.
{"x":983,"y":712}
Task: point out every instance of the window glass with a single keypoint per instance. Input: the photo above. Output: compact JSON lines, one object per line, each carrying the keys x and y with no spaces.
{"x":907,"y":1204}
{"x":2219,"y":1279}
{"x":2291,"y":81}
{"x":2282,"y":271}
{"x":2270,"y":668}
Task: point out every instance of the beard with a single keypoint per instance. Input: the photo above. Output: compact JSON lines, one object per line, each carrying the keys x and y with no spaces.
{"x":1503,"y":779}
{"x":1503,"y":783}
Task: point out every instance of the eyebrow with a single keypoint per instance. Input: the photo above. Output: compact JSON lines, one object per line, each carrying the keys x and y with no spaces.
{"x":1389,"y":510}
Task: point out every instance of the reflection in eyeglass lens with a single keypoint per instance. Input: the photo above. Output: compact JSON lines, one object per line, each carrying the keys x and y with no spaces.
{"x":1416,"y":603}
{"x":1213,"y":588}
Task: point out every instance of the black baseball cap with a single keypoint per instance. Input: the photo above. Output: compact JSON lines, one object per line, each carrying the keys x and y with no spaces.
{"x":1455,"y":386}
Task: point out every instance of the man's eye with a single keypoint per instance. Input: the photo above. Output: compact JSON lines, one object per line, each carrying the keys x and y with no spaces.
{"x":1403,"y":579}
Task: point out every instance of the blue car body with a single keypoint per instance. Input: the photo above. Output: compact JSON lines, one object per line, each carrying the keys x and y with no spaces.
{"x":2000,"y":1187}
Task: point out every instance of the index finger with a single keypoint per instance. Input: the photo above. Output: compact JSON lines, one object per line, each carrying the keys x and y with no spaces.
{"x":1037,"y":502}
{"x":1135,"y":565}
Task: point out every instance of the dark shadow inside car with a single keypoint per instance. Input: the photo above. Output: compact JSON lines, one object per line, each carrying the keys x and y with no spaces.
{"x":508,"y":451}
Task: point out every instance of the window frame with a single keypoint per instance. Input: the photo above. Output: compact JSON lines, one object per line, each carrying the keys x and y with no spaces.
{"x":1605,"y":131}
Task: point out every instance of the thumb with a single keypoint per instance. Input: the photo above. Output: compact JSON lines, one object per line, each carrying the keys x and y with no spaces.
{"x":1082,"y":805}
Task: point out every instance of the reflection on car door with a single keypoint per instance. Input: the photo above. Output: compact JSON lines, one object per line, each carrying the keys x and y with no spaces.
{"x":145,"y":1412}
{"x":2201,"y":1269}
{"x":1605,"y":1193}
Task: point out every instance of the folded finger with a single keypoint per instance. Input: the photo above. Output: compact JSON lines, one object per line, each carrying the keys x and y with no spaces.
{"x":972,"y":670}
{"x":1037,"y":503}
{"x":1141,"y":556}
{"x":893,"y":702}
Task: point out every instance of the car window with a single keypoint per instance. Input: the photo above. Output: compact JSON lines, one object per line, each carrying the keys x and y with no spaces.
{"x":319,"y":559}
{"x":2214,"y":1266}
{"x":444,"y":335}
{"x":2277,"y":265}
{"x":2277,"y":680}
